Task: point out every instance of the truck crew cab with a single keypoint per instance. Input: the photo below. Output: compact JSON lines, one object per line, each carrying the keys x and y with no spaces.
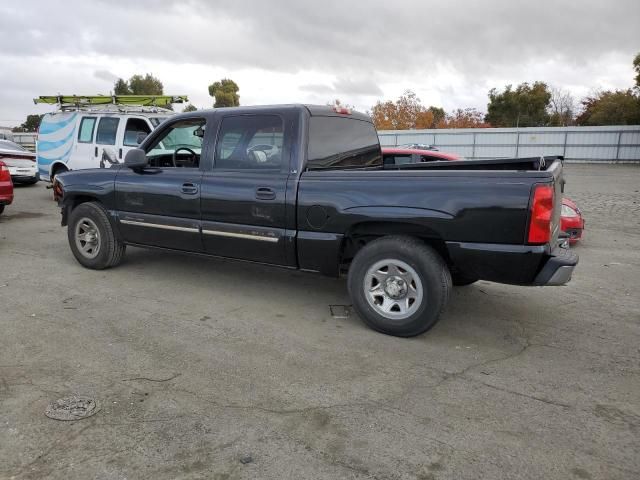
{"x":305,"y":187}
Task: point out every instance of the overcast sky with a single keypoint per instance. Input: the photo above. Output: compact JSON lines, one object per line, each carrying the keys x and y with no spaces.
{"x":449,"y":52}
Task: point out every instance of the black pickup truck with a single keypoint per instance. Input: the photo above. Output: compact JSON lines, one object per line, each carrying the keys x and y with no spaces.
{"x":304,"y":187}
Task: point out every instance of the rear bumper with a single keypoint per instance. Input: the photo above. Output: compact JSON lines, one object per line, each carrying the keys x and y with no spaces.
{"x":513,"y":264}
{"x":6,"y":193}
{"x":558,"y":268}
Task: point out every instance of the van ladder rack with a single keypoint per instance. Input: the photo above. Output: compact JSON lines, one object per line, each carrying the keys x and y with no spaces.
{"x":78,"y":102}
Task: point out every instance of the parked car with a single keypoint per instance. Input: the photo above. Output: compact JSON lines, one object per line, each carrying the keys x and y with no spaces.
{"x":20,"y":162}
{"x":324,"y":203}
{"x":571,"y":220}
{"x":418,"y":146}
{"x":403,"y":155}
{"x":6,"y":187}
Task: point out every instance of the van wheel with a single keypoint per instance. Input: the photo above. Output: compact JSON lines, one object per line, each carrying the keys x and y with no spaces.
{"x":1,"y":209}
{"x":399,"y":285}
{"x":92,"y":239}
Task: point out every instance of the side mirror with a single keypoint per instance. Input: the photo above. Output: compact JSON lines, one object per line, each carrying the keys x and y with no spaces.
{"x":135,"y":158}
{"x":140,"y":137}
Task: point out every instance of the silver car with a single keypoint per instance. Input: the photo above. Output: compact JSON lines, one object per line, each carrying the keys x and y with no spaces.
{"x":21,"y":162}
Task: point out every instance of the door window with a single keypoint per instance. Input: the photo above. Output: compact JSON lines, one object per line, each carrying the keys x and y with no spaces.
{"x":133,"y":129}
{"x":107,"y":129}
{"x":250,"y":142}
{"x":179,"y":145}
{"x":85,"y":135}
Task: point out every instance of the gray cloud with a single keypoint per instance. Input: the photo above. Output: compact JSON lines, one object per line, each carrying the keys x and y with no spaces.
{"x":363,"y":44}
{"x":105,"y":75}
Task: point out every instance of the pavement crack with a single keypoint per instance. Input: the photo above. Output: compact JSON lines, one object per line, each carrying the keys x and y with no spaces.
{"x":157,"y":380}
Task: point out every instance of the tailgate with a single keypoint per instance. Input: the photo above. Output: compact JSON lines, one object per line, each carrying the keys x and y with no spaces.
{"x":558,"y":190}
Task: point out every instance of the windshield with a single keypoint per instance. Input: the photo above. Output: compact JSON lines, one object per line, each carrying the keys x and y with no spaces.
{"x":7,"y":145}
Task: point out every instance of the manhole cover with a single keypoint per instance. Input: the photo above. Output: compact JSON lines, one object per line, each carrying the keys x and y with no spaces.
{"x":340,"y":311}
{"x":72,"y":408}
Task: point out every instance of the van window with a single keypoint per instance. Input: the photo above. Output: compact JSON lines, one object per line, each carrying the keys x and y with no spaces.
{"x":250,"y":142}
{"x":85,"y":135}
{"x":134,"y":127}
{"x":338,"y":142}
{"x":107,"y":129}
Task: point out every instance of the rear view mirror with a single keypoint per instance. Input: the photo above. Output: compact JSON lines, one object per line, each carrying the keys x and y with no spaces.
{"x":135,"y":158}
{"x":140,"y":137}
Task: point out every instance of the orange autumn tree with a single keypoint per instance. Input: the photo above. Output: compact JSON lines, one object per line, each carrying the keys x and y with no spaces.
{"x":463,"y":118}
{"x":406,"y":113}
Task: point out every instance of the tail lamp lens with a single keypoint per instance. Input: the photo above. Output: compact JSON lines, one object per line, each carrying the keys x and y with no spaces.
{"x":541,"y":214}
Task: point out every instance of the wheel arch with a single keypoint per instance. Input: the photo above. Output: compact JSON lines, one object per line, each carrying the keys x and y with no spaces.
{"x":359,"y":234}
{"x":56,"y":167}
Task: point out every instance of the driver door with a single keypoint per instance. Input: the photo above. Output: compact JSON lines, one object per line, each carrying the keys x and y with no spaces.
{"x":160,"y":205}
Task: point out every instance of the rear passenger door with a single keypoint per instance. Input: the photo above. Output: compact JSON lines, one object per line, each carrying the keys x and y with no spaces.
{"x":243,"y":197}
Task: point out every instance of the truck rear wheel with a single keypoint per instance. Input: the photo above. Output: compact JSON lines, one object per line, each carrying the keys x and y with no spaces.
{"x":399,"y":285}
{"x":92,"y":239}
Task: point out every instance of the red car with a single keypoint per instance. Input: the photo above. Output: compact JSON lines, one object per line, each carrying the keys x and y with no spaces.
{"x":402,"y":156}
{"x":6,"y":187}
{"x":571,"y":220}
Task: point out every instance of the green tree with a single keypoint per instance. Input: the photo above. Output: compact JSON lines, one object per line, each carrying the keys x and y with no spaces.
{"x":121,"y":87}
{"x":225,"y":93}
{"x":147,"y":85}
{"x":526,"y":106}
{"x":190,"y":108}
{"x":31,"y":124}
{"x":139,"y":85}
{"x":619,"y":107}
{"x":636,"y":67}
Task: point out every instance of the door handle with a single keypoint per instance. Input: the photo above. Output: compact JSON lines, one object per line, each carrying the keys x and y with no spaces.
{"x":265,"y":193}
{"x":95,"y":152}
{"x":189,"y":188}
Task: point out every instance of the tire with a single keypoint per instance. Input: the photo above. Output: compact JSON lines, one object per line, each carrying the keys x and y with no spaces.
{"x":92,"y":239}
{"x":460,"y":280}
{"x":414,"y":285}
{"x":1,"y":209}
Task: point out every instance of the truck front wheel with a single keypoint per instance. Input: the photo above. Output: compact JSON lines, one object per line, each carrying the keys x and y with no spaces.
{"x":399,"y":285}
{"x":91,"y":237}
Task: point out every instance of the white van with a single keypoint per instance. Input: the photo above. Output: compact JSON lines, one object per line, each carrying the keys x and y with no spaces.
{"x":93,"y":136}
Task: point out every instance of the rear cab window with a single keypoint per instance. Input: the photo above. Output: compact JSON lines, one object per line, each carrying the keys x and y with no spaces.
{"x":340,"y":142}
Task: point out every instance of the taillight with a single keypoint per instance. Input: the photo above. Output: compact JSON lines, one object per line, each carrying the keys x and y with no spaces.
{"x":541,"y":214}
{"x":4,"y":172}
